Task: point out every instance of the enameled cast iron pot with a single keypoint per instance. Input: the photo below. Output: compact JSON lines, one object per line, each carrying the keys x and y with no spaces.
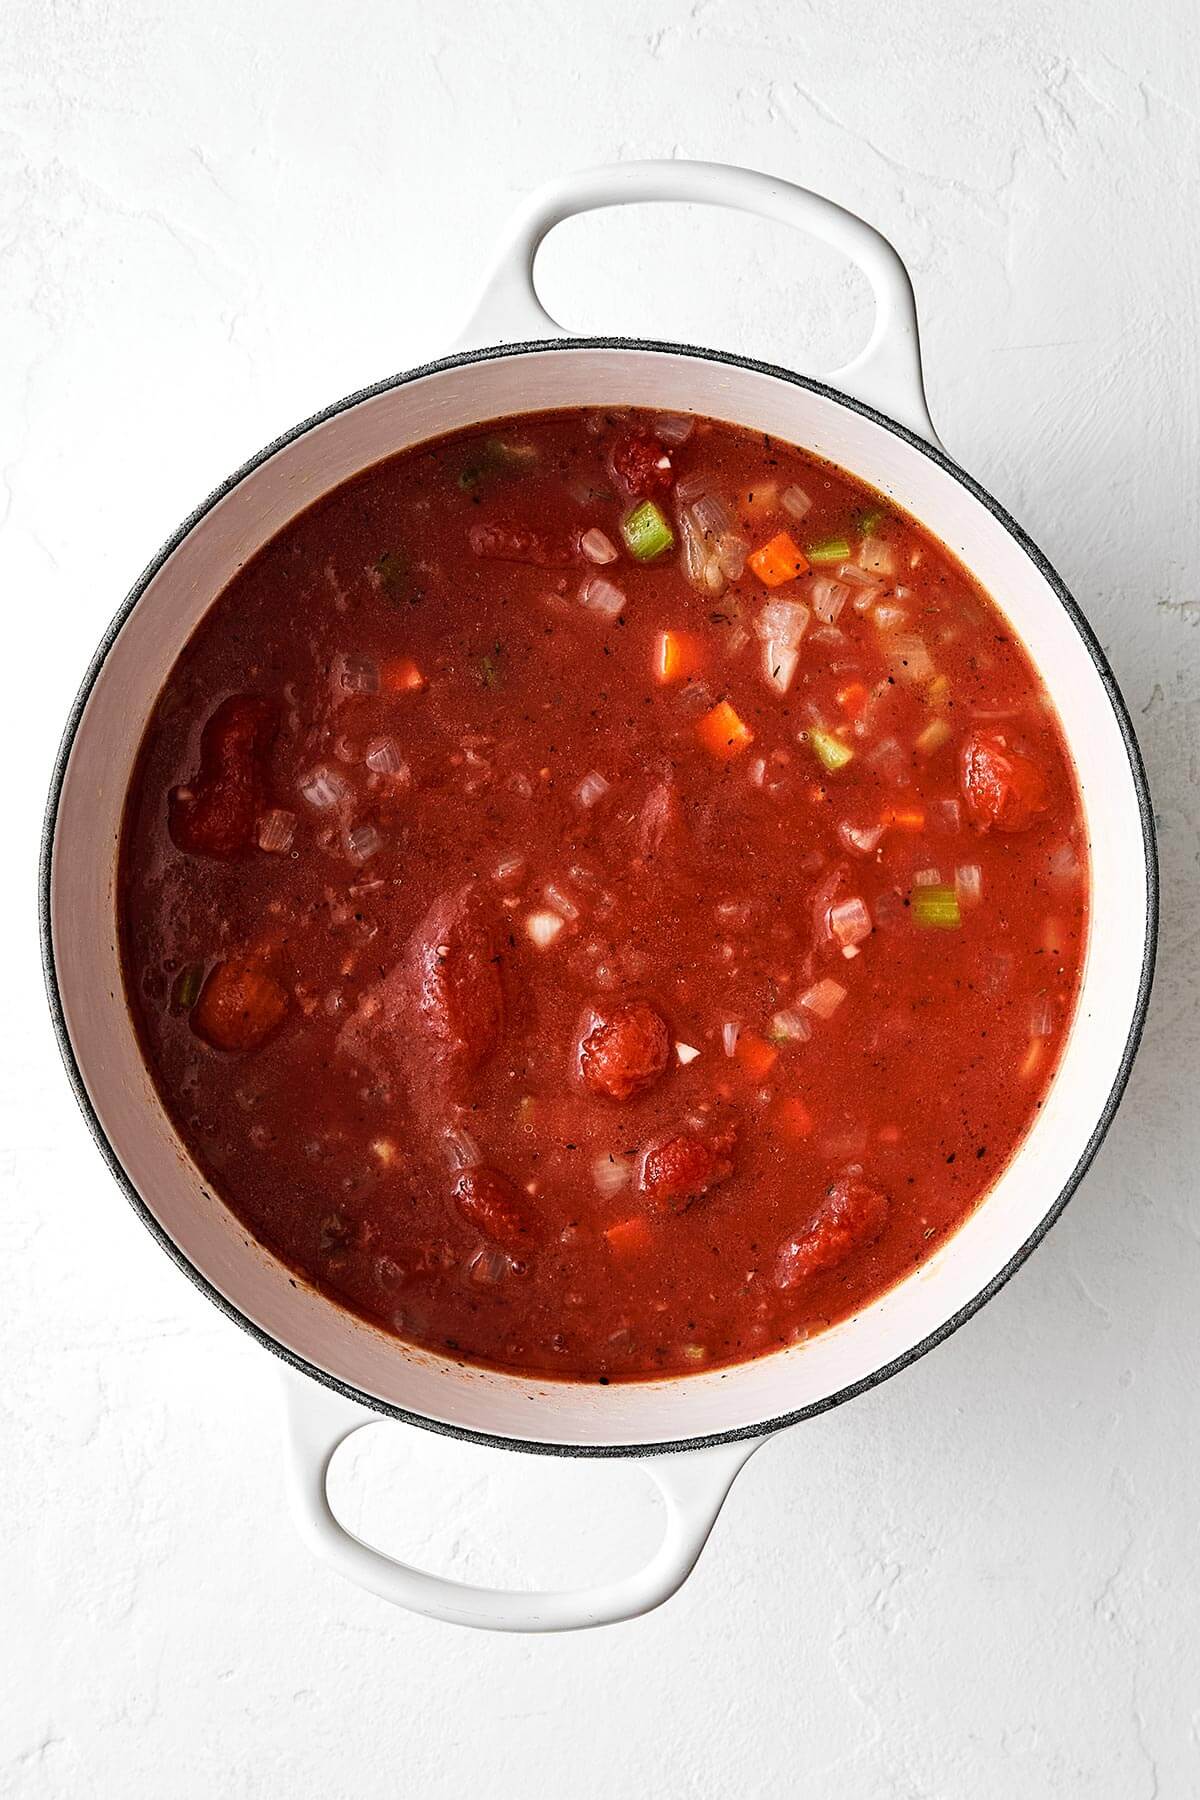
{"x":697,"y":1431}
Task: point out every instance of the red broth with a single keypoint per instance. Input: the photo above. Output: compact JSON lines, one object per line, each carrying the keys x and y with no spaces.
{"x":603,"y":895}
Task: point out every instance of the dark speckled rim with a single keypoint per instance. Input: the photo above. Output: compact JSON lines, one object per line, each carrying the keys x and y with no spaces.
{"x":1107,"y":1112}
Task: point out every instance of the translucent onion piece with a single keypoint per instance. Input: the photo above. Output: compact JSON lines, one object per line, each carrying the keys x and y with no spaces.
{"x":509,"y":870}
{"x":927,"y":878}
{"x":609,"y":1175}
{"x":876,"y":555}
{"x":779,"y":665}
{"x":823,"y":998}
{"x":909,"y":657}
{"x":1064,"y":863}
{"x":323,"y":788}
{"x":791,"y":1025}
{"x":363,"y":842}
{"x":968,"y":884}
{"x":857,"y":577}
{"x":489,"y":1266}
{"x":602,"y":596}
{"x":593,"y":787}
{"x":828,"y":598}
{"x":949,"y":812}
{"x":562,"y":903}
{"x":849,"y":921}
{"x":714,"y":578}
{"x":889,"y":618}
{"x":673,"y":428}
{"x":732,"y":552}
{"x":687,"y":1053}
{"x":596,"y":547}
{"x":690,"y":487}
{"x":695,"y":554}
{"x":795,"y":502}
{"x":757,"y":771}
{"x":730,"y":1032}
{"x":520,"y":785}
{"x":358,"y":674}
{"x":782,"y":622}
{"x":462,"y":1152}
{"x":383,"y":756}
{"x":712,"y":515}
{"x":1041,"y":1020}
{"x":276,"y":830}
{"x":543,"y":928}
{"x":863,"y":840}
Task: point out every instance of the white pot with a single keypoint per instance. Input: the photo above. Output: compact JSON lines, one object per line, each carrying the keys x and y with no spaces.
{"x":696,"y":1430}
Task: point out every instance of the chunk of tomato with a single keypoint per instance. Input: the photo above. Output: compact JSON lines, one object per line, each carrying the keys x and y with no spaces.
{"x":215,"y":814}
{"x":641,"y":464}
{"x":495,"y":1206}
{"x":240,"y":1006}
{"x":1001,"y":786}
{"x":686,"y":1166}
{"x":851,"y":1216}
{"x":626,"y":1050}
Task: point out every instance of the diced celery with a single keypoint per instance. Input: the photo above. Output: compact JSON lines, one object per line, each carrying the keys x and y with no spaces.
{"x":829,"y":550}
{"x":830,"y":750}
{"x":936,"y":908}
{"x":646,"y":532}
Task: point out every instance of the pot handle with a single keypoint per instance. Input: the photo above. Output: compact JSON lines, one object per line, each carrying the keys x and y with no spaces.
{"x":693,"y":1485}
{"x":886,"y":374}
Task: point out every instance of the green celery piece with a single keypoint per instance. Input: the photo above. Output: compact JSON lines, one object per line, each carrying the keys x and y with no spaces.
{"x":646,"y":532}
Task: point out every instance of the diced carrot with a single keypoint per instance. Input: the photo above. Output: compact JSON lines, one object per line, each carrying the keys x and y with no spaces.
{"x":722,"y":732}
{"x":780,"y":559}
{"x":903,"y":818}
{"x":631,"y":1237}
{"x":756,"y":1056}
{"x":677,"y":654}
{"x":400,"y":675}
{"x":853,"y":699}
{"x":792,"y":1116}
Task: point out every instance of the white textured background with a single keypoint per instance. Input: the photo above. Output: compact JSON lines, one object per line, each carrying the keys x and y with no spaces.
{"x":979,"y":1581}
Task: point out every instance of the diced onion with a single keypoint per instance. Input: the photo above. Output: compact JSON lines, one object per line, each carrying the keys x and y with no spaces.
{"x":358,"y":674}
{"x":712,"y":515}
{"x":673,"y":428}
{"x":876,"y":555}
{"x":276,"y":830}
{"x":461,"y":1148}
{"x":968,"y":883}
{"x":362,"y":843}
{"x":602,"y":596}
{"x":731,"y":554}
{"x":1041,"y":1021}
{"x":562,"y":903}
{"x":610,"y":1174}
{"x":730,"y":1032}
{"x":795,"y":501}
{"x":889,"y":618}
{"x":323,"y":788}
{"x":1064,"y":863}
{"x":757,"y":771}
{"x":687,"y":1053}
{"x":383,"y":756}
{"x":927,"y":878}
{"x":508,"y":870}
{"x":791,"y":1025}
{"x":849,"y":921}
{"x":695,"y":552}
{"x":782,"y":622}
{"x":949,"y":812}
{"x":690,"y":487}
{"x":823,"y":998}
{"x":860,"y":578}
{"x":488,"y":1266}
{"x":596,"y":547}
{"x":862,"y":839}
{"x":908,"y":655}
{"x":828,"y":598}
{"x":543,"y":928}
{"x":779,"y":665}
{"x":593,"y":787}
{"x":520,"y":785}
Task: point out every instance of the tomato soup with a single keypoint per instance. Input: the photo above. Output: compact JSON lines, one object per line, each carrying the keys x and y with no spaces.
{"x":603,"y":895}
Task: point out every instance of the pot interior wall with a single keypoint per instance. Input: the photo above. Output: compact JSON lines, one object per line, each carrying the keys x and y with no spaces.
{"x":178,"y":593}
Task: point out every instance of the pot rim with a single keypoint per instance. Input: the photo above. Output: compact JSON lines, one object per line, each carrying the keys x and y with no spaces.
{"x":1107,"y":1112}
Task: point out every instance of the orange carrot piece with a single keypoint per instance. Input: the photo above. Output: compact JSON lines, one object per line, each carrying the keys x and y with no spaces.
{"x":677,"y":654}
{"x":903,"y":818}
{"x":853,"y":699}
{"x":756,"y":1056}
{"x":400,"y":675}
{"x":630,"y":1237}
{"x":780,"y":559}
{"x":722,"y":732}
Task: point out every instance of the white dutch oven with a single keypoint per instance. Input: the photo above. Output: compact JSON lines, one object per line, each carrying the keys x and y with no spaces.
{"x":697,"y":1431}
